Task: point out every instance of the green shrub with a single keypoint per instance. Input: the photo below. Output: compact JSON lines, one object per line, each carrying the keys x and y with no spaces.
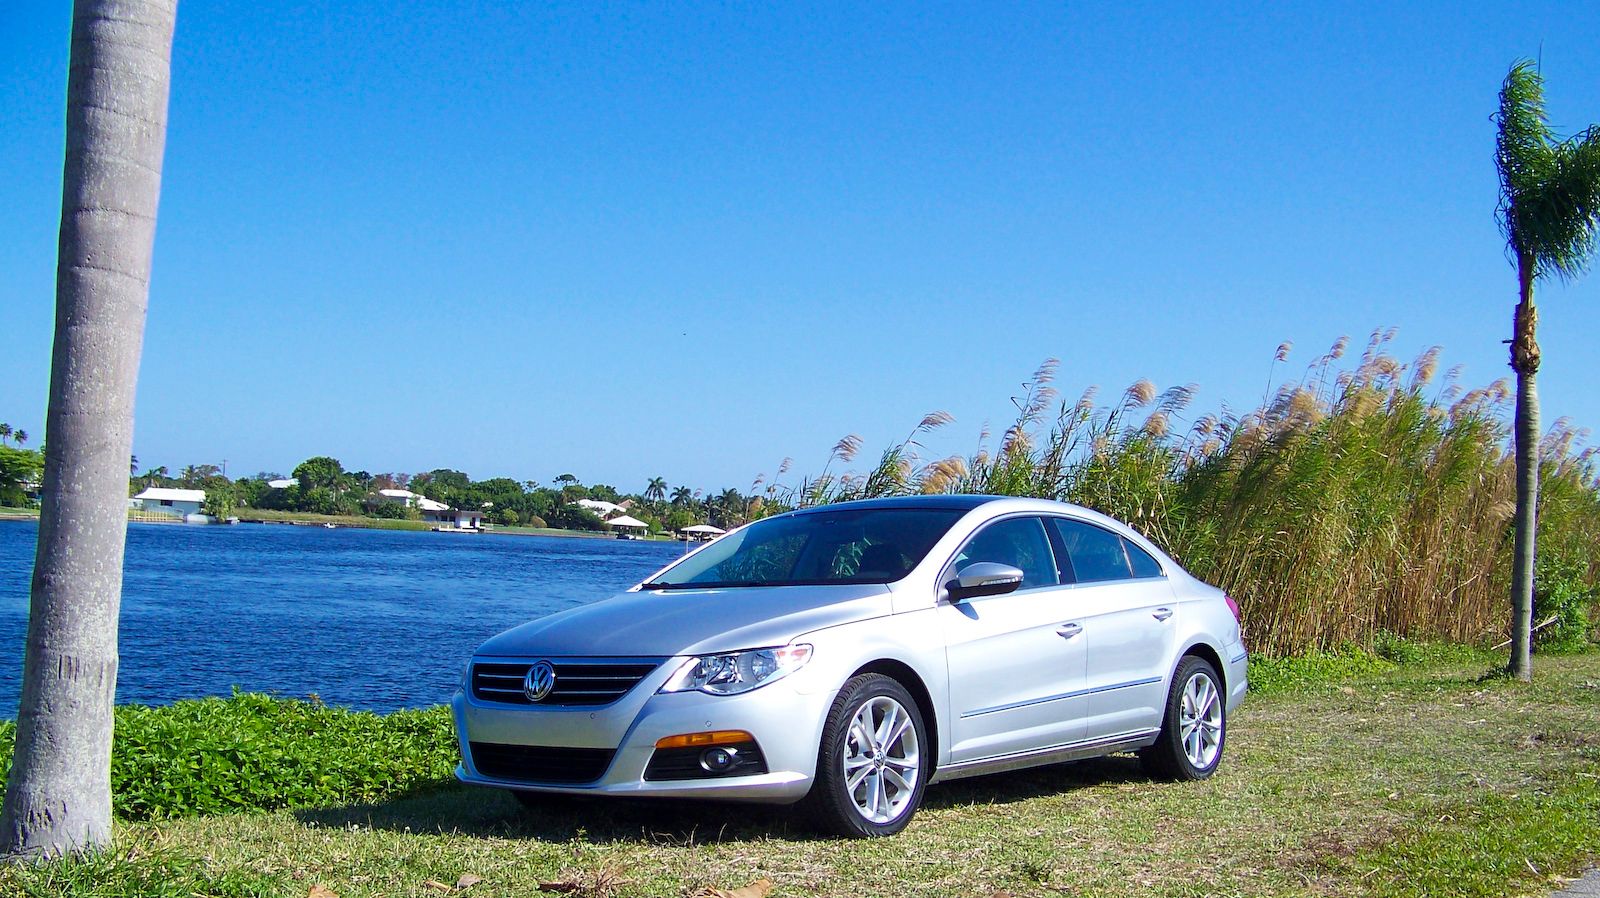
{"x":1398,"y":649}
{"x":1561,"y":592}
{"x":1272,"y":675}
{"x":255,"y":752}
{"x":393,"y":511}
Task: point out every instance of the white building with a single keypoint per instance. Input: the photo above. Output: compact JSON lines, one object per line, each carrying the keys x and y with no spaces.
{"x":283,"y":484}
{"x":600,"y":507}
{"x":402,"y":497}
{"x":445,"y":517}
{"x":169,"y":501}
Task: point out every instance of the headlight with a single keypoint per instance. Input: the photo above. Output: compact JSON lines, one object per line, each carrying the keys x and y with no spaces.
{"x":735,"y":672}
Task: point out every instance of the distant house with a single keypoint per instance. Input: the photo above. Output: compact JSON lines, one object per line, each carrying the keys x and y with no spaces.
{"x":283,"y":484}
{"x":442,"y":515}
{"x":402,"y":497}
{"x":600,"y":507}
{"x":170,"y":501}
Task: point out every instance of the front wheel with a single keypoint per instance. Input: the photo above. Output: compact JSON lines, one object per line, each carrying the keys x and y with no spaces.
{"x":870,"y":767}
{"x":1189,"y":746}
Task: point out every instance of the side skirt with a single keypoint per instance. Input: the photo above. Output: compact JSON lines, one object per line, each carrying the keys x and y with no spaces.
{"x":1037,"y":757}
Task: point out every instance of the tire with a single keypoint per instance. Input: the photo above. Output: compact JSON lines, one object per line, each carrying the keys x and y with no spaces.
{"x":1189,"y":746}
{"x":889,"y":778}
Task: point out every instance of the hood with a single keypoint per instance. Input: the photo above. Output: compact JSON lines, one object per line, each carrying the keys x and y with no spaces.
{"x":691,"y":621}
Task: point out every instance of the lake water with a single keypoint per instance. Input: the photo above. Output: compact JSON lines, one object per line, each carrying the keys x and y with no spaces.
{"x":369,"y":619}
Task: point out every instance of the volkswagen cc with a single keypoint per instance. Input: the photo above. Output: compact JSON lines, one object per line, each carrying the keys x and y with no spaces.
{"x":849,"y":656}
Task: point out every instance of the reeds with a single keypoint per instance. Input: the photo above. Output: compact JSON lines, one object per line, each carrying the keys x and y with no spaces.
{"x":1360,"y":500}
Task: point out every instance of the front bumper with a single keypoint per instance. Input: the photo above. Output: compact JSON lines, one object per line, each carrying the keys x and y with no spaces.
{"x":786,"y":723}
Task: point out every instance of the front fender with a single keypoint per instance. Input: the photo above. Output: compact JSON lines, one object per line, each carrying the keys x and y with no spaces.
{"x":914,"y":643}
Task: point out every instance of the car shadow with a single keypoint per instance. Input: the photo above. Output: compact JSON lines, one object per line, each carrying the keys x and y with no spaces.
{"x":491,"y":813}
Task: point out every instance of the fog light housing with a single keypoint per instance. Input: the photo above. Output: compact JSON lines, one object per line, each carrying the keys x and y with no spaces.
{"x":717,"y":760}
{"x":680,"y":758}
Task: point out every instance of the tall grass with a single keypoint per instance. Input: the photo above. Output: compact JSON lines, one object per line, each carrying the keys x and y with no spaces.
{"x":1367,"y":497}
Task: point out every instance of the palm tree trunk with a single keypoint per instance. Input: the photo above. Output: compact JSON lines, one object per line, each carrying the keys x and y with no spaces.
{"x":1525,"y":361}
{"x":59,"y":795}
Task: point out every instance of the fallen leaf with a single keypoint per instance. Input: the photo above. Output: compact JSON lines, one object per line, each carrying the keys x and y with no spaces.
{"x":436,"y":885}
{"x":467,"y":881}
{"x":321,"y":891}
{"x":757,"y":889}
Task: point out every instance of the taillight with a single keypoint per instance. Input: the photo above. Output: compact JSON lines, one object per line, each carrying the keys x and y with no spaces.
{"x":1234,"y":607}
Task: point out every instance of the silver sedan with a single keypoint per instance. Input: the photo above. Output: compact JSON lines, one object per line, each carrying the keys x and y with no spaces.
{"x":849,"y":656}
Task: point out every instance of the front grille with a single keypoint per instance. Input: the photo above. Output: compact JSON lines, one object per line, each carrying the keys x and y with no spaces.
{"x":540,"y":764}
{"x":587,"y":682}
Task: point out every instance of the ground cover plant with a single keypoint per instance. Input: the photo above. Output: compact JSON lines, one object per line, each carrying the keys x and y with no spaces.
{"x":257,"y":752}
{"x":1352,"y":776}
{"x":1367,"y":497}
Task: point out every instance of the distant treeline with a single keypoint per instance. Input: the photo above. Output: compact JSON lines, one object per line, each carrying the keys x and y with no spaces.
{"x":321,"y":485}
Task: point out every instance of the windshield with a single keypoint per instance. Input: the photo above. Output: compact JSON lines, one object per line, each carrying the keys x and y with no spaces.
{"x":848,"y":546}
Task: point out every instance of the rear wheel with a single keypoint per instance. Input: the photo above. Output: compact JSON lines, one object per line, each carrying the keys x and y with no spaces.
{"x":870,"y":768}
{"x":1189,"y":746}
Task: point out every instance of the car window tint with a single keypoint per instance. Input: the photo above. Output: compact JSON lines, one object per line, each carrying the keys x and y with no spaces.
{"x":825,"y":546}
{"x":1143,"y":564}
{"x":1019,"y":542}
{"x":1096,"y":553}
{"x":760,"y":560}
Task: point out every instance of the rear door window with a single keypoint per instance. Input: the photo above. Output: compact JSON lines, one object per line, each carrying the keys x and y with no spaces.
{"x":1096,"y":553}
{"x":1143,"y":564}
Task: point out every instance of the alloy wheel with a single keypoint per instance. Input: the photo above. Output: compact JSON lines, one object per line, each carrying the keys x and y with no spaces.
{"x":1200,"y":720}
{"x":881,"y":760}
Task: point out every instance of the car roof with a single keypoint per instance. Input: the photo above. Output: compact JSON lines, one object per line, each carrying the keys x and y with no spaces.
{"x":945,"y":502}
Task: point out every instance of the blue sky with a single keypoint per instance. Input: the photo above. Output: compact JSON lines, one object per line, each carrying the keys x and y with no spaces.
{"x":689,"y":241}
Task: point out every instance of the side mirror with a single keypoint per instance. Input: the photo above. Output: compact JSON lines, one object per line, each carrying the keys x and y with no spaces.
{"x":985,"y":578}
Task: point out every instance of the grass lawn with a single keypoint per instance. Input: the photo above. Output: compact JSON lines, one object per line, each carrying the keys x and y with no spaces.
{"x":1418,"y":780}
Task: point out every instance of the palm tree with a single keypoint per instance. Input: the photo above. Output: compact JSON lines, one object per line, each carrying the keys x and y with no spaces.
{"x":655,"y":490}
{"x":1549,"y":210}
{"x":682,"y":496}
{"x":5,"y":433}
{"x":21,"y":436}
{"x":58,"y":797}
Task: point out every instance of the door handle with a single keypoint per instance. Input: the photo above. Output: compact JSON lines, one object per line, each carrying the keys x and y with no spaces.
{"x":1161,"y":613}
{"x":1067,"y":631}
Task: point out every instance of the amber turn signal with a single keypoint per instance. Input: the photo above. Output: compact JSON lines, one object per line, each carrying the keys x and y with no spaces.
{"x":701,"y":740}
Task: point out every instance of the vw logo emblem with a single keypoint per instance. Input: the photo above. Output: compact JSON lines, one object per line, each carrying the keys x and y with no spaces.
{"x":540,"y":680}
